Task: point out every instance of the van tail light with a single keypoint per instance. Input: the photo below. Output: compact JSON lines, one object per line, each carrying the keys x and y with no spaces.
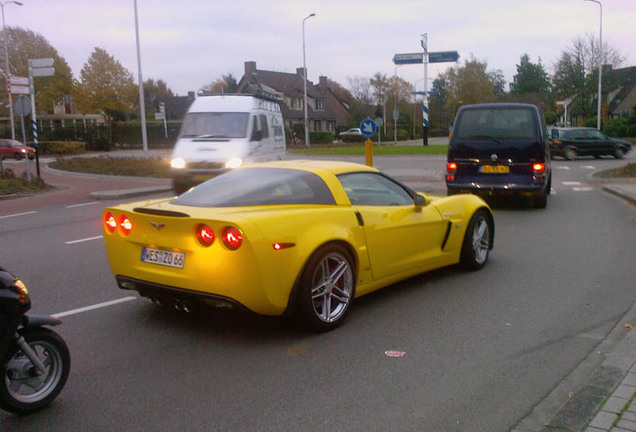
{"x":110,"y":222}
{"x":557,"y":142}
{"x":538,"y":168}
{"x":232,"y":238}
{"x":205,"y":235}
{"x":451,"y":170}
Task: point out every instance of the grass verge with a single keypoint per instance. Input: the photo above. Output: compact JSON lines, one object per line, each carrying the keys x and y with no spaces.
{"x":378,"y":150}
{"x":10,"y":184}
{"x":122,"y":166}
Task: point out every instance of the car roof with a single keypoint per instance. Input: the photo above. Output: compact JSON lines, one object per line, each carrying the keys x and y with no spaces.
{"x":499,"y":105}
{"x":315,"y":166}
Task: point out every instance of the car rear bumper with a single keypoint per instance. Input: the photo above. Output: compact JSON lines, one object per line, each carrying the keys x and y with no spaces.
{"x":499,"y":189}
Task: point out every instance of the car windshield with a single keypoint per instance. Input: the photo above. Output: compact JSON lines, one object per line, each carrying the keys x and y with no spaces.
{"x":496,"y":124}
{"x":215,"y":125}
{"x":258,"y":186}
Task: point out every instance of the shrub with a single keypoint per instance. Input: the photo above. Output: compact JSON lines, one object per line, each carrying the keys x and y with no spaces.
{"x":320,"y":137}
{"x":631,"y":130}
{"x":61,"y":147}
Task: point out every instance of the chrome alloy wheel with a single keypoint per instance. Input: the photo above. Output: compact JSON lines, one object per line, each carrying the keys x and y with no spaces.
{"x":24,"y":382}
{"x":332,"y":287}
{"x":481,"y":240}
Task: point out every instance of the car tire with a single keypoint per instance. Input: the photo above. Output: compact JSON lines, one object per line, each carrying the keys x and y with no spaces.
{"x":619,"y":153}
{"x":540,"y":200}
{"x":477,"y":241}
{"x":569,"y":153}
{"x":326,"y":288}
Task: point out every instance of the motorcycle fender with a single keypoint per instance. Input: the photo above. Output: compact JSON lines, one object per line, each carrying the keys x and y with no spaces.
{"x":30,"y":321}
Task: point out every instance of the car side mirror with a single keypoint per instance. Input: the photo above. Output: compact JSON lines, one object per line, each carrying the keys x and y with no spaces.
{"x":420,"y":201}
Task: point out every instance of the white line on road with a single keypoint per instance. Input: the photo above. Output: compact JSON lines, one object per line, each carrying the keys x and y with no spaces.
{"x":17,"y":214}
{"x":83,"y":240}
{"x":588,"y":167}
{"x":563,"y":167}
{"x":93,"y":307}
{"x":83,"y":204}
{"x":571,"y":183}
{"x":583,"y":189}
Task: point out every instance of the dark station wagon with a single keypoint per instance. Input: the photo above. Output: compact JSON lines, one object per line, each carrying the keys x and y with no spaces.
{"x":585,"y":141}
{"x":500,"y":149}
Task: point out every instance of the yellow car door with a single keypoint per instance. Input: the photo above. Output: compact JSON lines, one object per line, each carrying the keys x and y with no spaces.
{"x":400,"y":236}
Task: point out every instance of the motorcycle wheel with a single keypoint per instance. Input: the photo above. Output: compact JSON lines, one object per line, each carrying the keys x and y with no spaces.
{"x":23,"y":389}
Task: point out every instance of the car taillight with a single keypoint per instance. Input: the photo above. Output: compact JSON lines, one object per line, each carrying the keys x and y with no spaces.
{"x":557,"y":142}
{"x":232,"y":238}
{"x":451,"y":170}
{"x":538,"y":168}
{"x":125,"y":224}
{"x":110,"y":222}
{"x":205,"y":235}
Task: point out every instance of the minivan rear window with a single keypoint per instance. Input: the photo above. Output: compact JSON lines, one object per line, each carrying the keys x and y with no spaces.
{"x":498,"y":123}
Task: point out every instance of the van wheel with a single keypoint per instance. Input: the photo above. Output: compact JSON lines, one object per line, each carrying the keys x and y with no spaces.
{"x":569,"y":153}
{"x":541,"y":200}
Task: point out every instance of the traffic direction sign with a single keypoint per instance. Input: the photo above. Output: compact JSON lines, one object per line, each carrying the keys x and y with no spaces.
{"x":443,"y":57}
{"x":44,"y":71}
{"x":41,"y":62}
{"x":368,"y":127}
{"x":16,"y":80}
{"x":433,"y":57}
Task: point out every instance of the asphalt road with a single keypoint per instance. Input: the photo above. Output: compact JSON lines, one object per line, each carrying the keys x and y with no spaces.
{"x":481,"y":349}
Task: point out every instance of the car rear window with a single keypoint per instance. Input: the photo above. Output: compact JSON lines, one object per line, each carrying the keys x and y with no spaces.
{"x":259,"y":186}
{"x":498,"y":123}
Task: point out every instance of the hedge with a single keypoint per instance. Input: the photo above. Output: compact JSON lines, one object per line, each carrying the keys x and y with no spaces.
{"x":61,"y":147}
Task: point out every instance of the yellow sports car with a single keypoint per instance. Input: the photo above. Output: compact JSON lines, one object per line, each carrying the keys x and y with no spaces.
{"x":299,"y":237}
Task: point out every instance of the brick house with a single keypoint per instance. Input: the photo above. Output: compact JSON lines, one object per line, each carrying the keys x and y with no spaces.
{"x":325,"y":110}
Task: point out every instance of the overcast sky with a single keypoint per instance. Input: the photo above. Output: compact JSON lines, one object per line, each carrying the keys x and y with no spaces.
{"x":190,"y":43}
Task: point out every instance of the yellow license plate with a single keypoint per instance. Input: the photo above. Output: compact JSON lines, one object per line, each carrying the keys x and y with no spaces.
{"x":495,"y":169}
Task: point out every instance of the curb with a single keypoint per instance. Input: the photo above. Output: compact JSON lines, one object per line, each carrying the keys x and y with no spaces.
{"x":130,"y":193}
{"x":619,"y":192}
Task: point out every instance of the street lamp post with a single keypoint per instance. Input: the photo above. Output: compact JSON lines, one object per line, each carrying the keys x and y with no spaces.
{"x":6,"y":63}
{"x":307,"y":144}
{"x":600,"y":64}
{"x":142,"y":102}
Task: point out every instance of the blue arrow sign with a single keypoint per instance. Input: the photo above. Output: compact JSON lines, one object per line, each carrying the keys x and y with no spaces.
{"x":368,"y":127}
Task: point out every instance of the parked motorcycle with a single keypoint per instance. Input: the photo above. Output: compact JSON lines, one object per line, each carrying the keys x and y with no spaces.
{"x":34,"y":360}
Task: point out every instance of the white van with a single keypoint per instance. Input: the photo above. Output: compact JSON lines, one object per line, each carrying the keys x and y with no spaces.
{"x":222,"y":132}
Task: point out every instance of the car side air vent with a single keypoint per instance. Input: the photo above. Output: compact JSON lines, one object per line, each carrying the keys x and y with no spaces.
{"x":158,"y":212}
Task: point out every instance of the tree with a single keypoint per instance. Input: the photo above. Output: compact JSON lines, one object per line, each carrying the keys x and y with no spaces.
{"x":530,"y":78}
{"x":23,"y":44}
{"x":105,"y":86}
{"x":362,"y":106}
{"x":576,"y":71}
{"x":468,"y":84}
{"x":225,"y":84}
{"x":155,"y":92}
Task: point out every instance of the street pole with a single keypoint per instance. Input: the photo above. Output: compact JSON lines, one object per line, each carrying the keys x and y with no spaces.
{"x":142,"y":102}
{"x":600,"y":64}
{"x":425,"y":99}
{"x":6,"y":62}
{"x":307,"y":143}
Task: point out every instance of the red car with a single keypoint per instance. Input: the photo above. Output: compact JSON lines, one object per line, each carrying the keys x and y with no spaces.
{"x":15,"y":149}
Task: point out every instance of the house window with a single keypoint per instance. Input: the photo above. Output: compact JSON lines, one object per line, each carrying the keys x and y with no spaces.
{"x":297,"y":104}
{"x":320,"y":104}
{"x":317,"y":126}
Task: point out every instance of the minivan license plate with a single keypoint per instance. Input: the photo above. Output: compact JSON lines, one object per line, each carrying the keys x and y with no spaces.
{"x":162,"y":257}
{"x":495,"y":169}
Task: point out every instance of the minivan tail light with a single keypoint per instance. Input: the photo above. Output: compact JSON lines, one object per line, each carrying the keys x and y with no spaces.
{"x":451,"y":170}
{"x":557,"y":142}
{"x":538,"y":168}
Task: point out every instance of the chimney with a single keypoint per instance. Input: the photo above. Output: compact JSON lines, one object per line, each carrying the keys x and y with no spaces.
{"x":302,"y":72}
{"x":250,"y":68}
{"x":323,"y":82}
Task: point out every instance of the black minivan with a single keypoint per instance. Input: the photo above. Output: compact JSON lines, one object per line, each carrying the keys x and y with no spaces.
{"x":500,"y":149}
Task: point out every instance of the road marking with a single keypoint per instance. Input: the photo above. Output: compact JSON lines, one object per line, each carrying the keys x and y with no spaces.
{"x":588,"y":167}
{"x":83,"y":204}
{"x":18,"y":214}
{"x":83,"y":240}
{"x":93,"y":307}
{"x":571,"y":183}
{"x":563,"y":167}
{"x":583,"y":189}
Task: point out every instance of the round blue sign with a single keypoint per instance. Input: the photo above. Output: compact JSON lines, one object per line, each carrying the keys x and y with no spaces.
{"x":368,"y":127}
